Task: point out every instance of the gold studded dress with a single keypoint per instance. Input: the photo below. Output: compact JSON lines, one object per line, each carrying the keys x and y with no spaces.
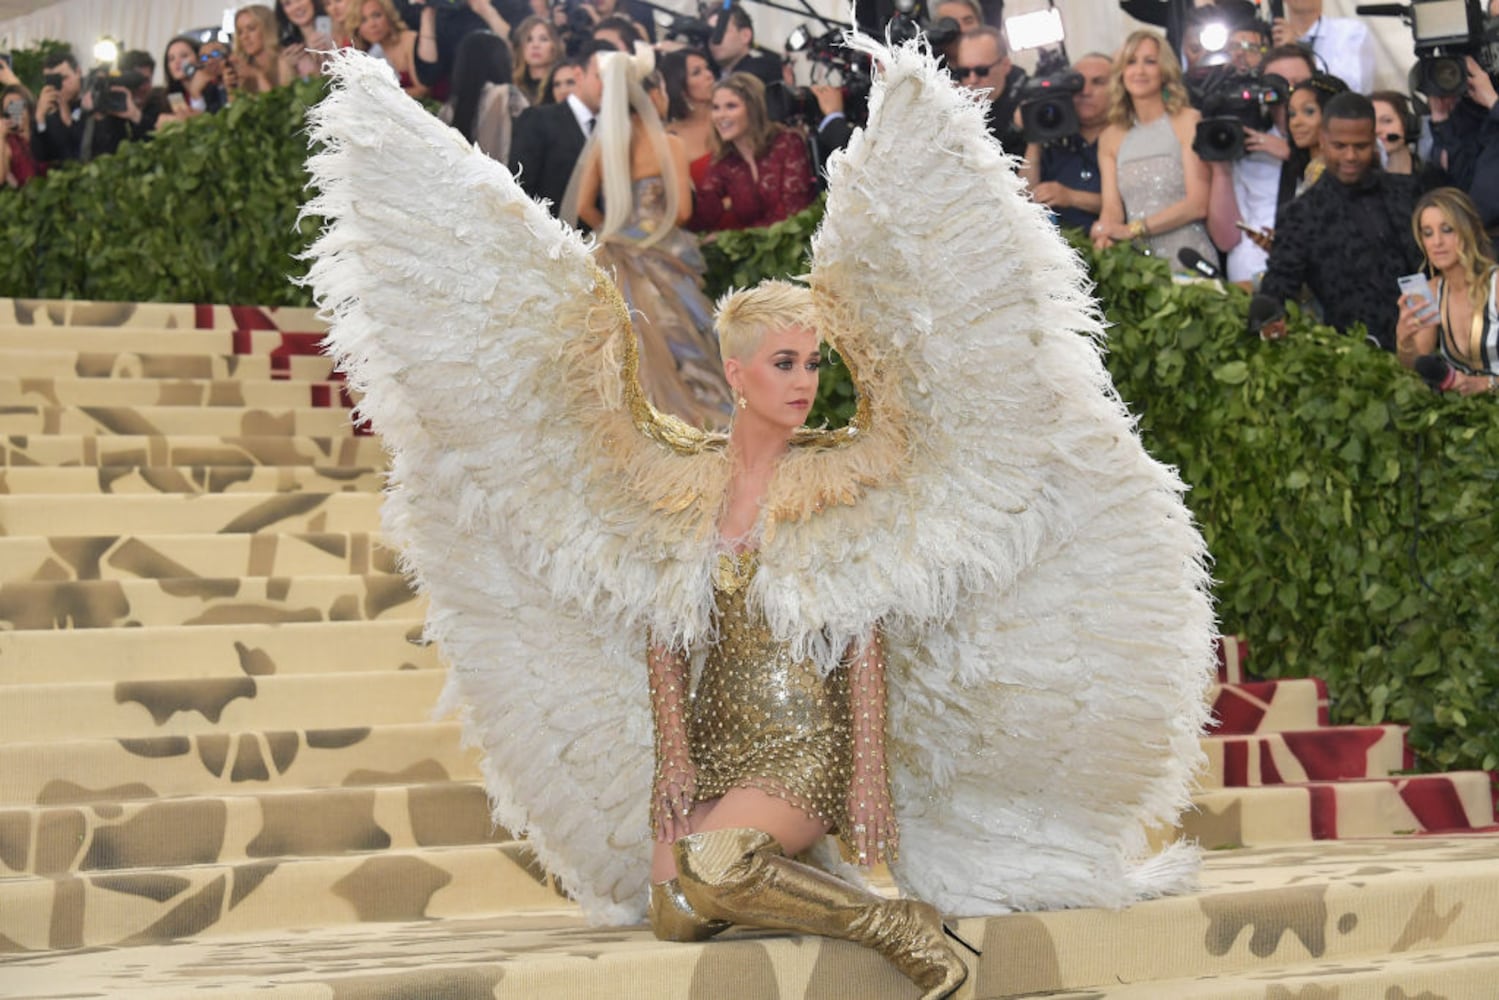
{"x":759,"y":718}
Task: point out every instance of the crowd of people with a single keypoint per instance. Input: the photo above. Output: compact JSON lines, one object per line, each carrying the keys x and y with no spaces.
{"x":1316,"y":201}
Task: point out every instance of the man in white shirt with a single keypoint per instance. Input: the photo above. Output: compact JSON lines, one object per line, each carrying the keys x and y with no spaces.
{"x":1254,"y":181}
{"x":1344,"y":45}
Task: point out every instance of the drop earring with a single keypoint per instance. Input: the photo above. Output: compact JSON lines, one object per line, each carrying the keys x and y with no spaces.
{"x":742,"y":401}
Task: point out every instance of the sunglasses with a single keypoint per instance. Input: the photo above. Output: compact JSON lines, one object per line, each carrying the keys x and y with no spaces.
{"x":964,"y":72}
{"x":208,"y":56}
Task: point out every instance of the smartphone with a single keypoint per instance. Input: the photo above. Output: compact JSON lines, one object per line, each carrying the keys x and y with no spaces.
{"x":53,"y":80}
{"x":323,"y":25}
{"x":1416,"y":285}
{"x":1246,"y":227}
{"x":178,"y":102}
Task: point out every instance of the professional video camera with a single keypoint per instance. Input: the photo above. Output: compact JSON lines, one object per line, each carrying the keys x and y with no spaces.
{"x":829,"y":55}
{"x":1230,"y":102}
{"x":1446,"y":32}
{"x":105,"y":84}
{"x":1046,"y":111}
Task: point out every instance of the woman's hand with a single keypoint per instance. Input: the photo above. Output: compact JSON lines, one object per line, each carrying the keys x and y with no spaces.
{"x":873,"y":832}
{"x":672,"y":799}
{"x":1415,"y":329}
{"x":1471,"y":385}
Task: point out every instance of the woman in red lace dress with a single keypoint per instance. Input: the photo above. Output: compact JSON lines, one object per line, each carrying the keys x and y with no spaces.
{"x":759,"y":173}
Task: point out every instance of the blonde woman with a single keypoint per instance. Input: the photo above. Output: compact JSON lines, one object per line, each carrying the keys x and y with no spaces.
{"x":641,"y":173}
{"x":538,"y":50}
{"x":1155,"y":189}
{"x":380,"y":24}
{"x":1464,"y":327}
{"x":344,"y":15}
{"x":256,"y":65}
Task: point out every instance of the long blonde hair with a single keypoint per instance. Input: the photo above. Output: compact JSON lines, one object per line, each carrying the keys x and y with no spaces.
{"x":270,"y":38}
{"x":1473,"y":256}
{"x":623,"y":93}
{"x":1173,"y":88}
{"x":518,"y":46}
{"x":398,"y":26}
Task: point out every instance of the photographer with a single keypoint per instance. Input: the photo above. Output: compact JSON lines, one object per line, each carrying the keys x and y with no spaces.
{"x":737,"y":53}
{"x":1344,"y":46}
{"x":1251,"y":189}
{"x":982,"y":64}
{"x":18,"y":163}
{"x":1465,"y":130}
{"x":59,"y":111}
{"x":1064,"y":175}
{"x":301,"y":41}
{"x":114,"y":111}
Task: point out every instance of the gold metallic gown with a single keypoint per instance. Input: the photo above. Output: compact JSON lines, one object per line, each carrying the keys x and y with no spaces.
{"x":760,"y":719}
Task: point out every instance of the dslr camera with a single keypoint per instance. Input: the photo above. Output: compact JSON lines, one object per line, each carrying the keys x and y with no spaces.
{"x":828,"y":54}
{"x":1231,"y":102}
{"x":105,"y":88}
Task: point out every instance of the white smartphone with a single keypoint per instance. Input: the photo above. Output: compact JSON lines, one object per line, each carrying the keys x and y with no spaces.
{"x":1416,"y":285}
{"x":323,"y":24}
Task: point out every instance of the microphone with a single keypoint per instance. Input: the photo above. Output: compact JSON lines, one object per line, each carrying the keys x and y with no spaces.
{"x":723,"y":23}
{"x":1435,"y":372}
{"x":1382,"y":9}
{"x":1263,"y":310}
{"x":1194,"y":261}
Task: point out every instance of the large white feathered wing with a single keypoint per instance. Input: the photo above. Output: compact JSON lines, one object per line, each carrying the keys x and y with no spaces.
{"x":1039,"y":577}
{"x":488,"y":350}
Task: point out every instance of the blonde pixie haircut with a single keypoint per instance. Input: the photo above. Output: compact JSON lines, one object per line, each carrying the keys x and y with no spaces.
{"x":745,"y":316}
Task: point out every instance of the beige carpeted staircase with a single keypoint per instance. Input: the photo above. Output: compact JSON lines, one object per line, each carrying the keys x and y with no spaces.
{"x":219,"y":774}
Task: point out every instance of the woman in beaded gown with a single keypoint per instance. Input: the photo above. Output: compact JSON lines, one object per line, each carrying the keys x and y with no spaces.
{"x":689,"y":657}
{"x":1155,"y":189}
{"x":643,"y":176}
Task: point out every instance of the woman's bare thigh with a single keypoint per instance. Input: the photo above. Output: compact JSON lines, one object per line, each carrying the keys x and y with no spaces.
{"x":737,"y":808}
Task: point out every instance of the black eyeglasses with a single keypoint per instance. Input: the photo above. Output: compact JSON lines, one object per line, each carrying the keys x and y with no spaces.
{"x":964,"y":72}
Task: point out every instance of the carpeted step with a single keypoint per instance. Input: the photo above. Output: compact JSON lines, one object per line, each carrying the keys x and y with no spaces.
{"x":1325,"y":754}
{"x":43,"y":362}
{"x":139,"y":421}
{"x":54,"y":313}
{"x":100,"y":769}
{"x":139,"y":906}
{"x":301,"y":513}
{"x":1329,"y":810}
{"x":126,"y":479}
{"x":1468,"y":971}
{"x":127,"y":557}
{"x":29,"y":390}
{"x":140,"y":709}
{"x":1269,"y":706}
{"x":227,"y":829}
{"x":1260,"y":912}
{"x":189,"y":450}
{"x":207,"y":601}
{"x":199,"y":652}
{"x":140,"y":340}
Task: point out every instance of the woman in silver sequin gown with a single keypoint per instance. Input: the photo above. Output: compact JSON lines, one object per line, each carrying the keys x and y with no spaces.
{"x":1155,"y":189}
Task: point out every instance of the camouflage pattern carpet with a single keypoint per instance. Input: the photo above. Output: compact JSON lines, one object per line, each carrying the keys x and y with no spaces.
{"x":219,"y":774}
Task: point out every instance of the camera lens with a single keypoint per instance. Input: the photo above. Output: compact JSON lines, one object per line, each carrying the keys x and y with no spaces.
{"x":1449,"y":76}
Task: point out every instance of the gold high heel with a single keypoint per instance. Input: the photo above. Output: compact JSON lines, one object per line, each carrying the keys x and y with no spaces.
{"x":742,"y":876}
{"x":674,"y":919}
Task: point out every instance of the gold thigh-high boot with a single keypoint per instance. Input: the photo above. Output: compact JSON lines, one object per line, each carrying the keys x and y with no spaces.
{"x":742,"y":876}
{"x":674,"y":919}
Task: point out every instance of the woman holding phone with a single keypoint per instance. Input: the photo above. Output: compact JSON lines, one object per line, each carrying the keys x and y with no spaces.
{"x":1458,"y":318}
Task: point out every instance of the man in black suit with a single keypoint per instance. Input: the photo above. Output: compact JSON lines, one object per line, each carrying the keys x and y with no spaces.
{"x":549,"y":138}
{"x":737,"y":52}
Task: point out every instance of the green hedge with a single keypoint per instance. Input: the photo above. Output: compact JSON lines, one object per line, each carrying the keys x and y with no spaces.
{"x":203,"y":212}
{"x":1349,"y":511}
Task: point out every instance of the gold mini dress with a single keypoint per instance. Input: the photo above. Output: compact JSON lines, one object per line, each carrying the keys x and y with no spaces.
{"x":759,"y":718}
